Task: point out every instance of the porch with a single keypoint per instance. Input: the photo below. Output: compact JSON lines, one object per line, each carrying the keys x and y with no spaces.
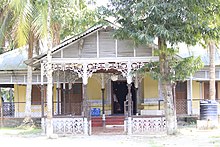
{"x":78,"y":125}
{"x":74,"y":123}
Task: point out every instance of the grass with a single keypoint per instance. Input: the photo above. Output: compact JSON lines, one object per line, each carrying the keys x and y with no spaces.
{"x":217,"y":136}
{"x":20,"y":131}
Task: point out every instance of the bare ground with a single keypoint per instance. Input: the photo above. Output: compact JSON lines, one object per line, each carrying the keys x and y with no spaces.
{"x":187,"y":137}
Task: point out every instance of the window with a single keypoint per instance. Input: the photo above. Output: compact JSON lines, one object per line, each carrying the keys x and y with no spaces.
{"x":36,"y":95}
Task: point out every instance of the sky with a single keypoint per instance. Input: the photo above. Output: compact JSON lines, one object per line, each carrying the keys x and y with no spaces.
{"x":101,"y":2}
{"x":98,"y":3}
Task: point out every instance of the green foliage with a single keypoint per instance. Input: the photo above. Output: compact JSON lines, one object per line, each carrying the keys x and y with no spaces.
{"x":18,"y":17}
{"x":187,"y":66}
{"x":5,"y":94}
{"x":180,"y":69}
{"x":173,"y":22}
{"x":5,"y":24}
{"x":74,"y":16}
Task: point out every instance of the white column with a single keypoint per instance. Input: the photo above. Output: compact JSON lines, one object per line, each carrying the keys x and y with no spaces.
{"x":129,"y":126}
{"x":85,"y":75}
{"x":49,"y":95}
{"x":86,"y":126}
{"x":85,"y":100}
{"x":116,"y":48}
{"x":129,"y":81}
{"x":97,"y":41}
{"x":58,"y":98}
{"x":189,"y":96}
{"x":43,"y":126}
{"x":136,"y":91}
{"x":58,"y":93}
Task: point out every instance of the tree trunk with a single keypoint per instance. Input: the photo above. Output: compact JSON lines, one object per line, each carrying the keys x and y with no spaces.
{"x":49,"y":124}
{"x":212,"y":70}
{"x":56,"y":34}
{"x":3,"y":29}
{"x":166,"y":87}
{"x":27,"y":120}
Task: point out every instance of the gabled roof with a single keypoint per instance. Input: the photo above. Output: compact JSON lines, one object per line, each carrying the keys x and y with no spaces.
{"x":72,"y":39}
{"x":17,"y":58}
{"x":14,"y":60}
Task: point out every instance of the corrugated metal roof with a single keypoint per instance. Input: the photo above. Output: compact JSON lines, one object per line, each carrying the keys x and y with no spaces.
{"x":196,"y":51}
{"x":66,"y":42}
{"x":14,"y":60}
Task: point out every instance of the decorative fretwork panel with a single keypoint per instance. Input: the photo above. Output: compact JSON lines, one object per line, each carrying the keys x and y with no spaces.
{"x":68,"y":125}
{"x":181,"y":106}
{"x":8,"y":109}
{"x":125,"y":67}
{"x":148,"y":125}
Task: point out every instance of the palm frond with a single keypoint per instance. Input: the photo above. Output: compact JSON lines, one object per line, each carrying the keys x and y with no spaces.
{"x":40,"y":21}
{"x":23,"y":12}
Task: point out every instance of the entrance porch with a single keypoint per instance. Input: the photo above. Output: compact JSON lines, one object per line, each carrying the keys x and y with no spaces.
{"x":104,"y":66}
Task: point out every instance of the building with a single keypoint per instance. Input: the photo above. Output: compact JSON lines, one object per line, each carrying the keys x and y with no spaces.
{"x":88,"y":70}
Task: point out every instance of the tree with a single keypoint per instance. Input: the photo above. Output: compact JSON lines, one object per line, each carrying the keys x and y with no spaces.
{"x":58,"y":13}
{"x":211,"y":46}
{"x":70,"y":17}
{"x":211,"y":40}
{"x":209,"y":32}
{"x":170,"y":22}
{"x":28,"y":19}
{"x":6,"y":21}
{"x":49,"y":129}
{"x":27,"y":26}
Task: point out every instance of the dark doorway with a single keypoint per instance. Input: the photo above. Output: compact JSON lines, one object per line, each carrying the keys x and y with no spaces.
{"x":119,"y":93}
{"x":71,"y":99}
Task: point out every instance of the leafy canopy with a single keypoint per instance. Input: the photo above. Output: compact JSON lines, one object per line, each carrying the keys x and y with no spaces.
{"x":173,"y":21}
{"x":74,"y":16}
{"x":18,"y":17}
{"x":180,"y":68}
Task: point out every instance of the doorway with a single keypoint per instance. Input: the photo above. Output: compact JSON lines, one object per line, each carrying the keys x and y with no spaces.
{"x":181,"y":98}
{"x":71,"y":99}
{"x":119,"y":93}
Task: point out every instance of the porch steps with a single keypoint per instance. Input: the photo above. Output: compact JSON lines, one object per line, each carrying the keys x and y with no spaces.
{"x":109,"y":121}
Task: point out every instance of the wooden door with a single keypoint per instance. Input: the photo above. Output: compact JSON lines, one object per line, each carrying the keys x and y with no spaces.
{"x":72,"y":99}
{"x":181,"y":98}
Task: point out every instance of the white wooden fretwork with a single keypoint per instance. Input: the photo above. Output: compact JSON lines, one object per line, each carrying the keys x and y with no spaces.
{"x":148,"y":125}
{"x":124,"y":67}
{"x":68,"y":126}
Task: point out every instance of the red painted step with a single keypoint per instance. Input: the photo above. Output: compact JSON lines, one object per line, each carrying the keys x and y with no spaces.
{"x":96,"y":121}
{"x":110,"y":120}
